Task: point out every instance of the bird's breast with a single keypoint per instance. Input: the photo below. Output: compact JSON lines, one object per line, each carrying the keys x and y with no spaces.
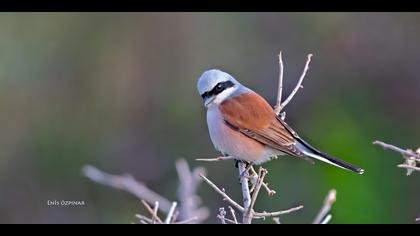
{"x":232,"y":142}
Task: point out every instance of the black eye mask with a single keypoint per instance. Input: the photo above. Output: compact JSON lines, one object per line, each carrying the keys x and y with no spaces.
{"x":220,"y":87}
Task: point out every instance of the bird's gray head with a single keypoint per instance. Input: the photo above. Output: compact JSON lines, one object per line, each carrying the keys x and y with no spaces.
{"x":215,"y":86}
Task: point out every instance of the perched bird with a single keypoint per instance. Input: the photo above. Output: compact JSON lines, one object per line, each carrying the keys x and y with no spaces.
{"x":242,"y":124}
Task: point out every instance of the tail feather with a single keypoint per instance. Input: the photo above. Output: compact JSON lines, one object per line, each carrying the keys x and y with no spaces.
{"x":314,"y":153}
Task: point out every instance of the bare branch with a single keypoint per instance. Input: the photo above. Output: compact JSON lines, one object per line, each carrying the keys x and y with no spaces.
{"x":270,"y":192}
{"x":232,"y":212}
{"x":277,"y":107}
{"x":328,"y":202}
{"x":155,"y":211}
{"x":409,"y":167}
{"x":298,"y":85}
{"x":246,"y":219}
{"x":143,"y":218}
{"x":405,"y":153}
{"x":128,"y":184}
{"x":187,"y":192}
{"x":151,"y":211}
{"x":171,"y":213}
{"x":260,"y":181}
{"x":224,"y":195}
{"x":258,"y":215}
{"x":411,"y":157}
{"x":221,"y":215}
{"x":221,"y":158}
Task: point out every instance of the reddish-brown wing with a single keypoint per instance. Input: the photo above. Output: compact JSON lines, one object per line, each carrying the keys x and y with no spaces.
{"x":250,"y":114}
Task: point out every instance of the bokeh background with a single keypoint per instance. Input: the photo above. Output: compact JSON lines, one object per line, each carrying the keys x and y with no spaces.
{"x":118,"y":90}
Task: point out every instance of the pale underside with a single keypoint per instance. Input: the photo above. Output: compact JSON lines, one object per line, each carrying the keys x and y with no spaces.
{"x":246,"y":127}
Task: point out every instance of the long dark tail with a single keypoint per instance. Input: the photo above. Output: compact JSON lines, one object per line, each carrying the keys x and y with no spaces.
{"x":314,"y":153}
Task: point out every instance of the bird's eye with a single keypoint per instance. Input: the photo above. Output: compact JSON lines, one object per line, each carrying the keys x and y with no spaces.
{"x":219,"y":87}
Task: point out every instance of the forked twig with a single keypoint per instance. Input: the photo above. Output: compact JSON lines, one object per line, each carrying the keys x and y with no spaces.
{"x":260,"y":181}
{"x":279,"y":108}
{"x":256,"y":215}
{"x":405,"y":153}
{"x":411,"y":158}
{"x":152,"y":212}
{"x":328,"y":202}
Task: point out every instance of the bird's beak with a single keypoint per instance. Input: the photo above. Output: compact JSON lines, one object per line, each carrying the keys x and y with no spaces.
{"x":208,"y":101}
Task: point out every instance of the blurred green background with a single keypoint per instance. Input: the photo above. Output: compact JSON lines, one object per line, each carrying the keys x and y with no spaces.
{"x":118,"y":90}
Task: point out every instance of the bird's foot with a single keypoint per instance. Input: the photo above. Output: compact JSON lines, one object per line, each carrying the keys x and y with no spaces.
{"x":237,"y":163}
{"x":245,"y":173}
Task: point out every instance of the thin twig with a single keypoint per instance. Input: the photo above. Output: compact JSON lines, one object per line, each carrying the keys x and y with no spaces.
{"x":409,"y":167}
{"x":298,"y":85}
{"x":128,"y":184}
{"x":277,"y":107}
{"x":270,"y":192}
{"x":232,"y":212}
{"x":405,"y":153}
{"x":258,"y":215}
{"x":221,"y":158}
{"x":155,"y":211}
{"x":411,"y":157}
{"x":144,"y":218}
{"x":171,"y":213}
{"x":187,"y":192}
{"x":260,"y":181}
{"x":150,"y":210}
{"x":246,"y":196}
{"x":328,"y":202}
{"x":221,"y":215}
{"x":224,"y":195}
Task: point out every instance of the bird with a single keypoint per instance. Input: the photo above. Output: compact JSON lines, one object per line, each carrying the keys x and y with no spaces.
{"x":242,"y":124}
